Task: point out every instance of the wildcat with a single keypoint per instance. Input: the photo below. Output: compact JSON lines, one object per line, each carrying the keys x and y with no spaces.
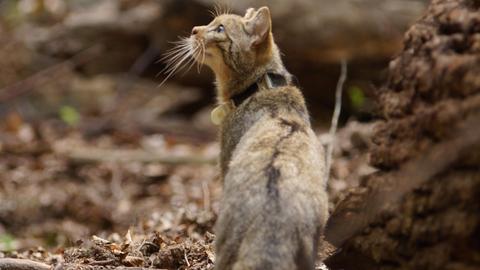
{"x":274,"y":205}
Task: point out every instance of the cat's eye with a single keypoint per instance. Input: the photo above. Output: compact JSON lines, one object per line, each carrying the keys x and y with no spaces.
{"x":220,"y":29}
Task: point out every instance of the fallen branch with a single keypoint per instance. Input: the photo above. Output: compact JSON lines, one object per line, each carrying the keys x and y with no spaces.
{"x":22,"y":264}
{"x":93,"y":155}
{"x":344,"y":223}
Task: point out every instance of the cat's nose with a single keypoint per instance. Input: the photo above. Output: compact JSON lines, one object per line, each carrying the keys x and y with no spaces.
{"x":195,"y":30}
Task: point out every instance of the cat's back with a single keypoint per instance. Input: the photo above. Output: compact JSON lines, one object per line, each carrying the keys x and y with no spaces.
{"x":274,"y":186}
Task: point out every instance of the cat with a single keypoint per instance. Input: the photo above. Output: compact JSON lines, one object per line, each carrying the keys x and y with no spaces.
{"x":275,"y":205}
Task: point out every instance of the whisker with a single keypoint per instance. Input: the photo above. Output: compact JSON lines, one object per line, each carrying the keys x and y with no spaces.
{"x":215,"y":9}
{"x":171,"y":71}
{"x":224,"y":8}
{"x":181,"y":40}
{"x":212,"y":13}
{"x":167,"y":55}
{"x":175,"y":53}
{"x":204,"y":50}
{"x":175,"y":65}
{"x":198,"y":57}
{"x":220,"y":8}
{"x":174,"y":60}
{"x":229,"y":9}
{"x":182,"y":57}
{"x":179,"y":49}
{"x":184,"y":44}
{"x":190,"y":64}
{"x":200,"y":63}
{"x":198,"y":52}
{"x":192,"y":61}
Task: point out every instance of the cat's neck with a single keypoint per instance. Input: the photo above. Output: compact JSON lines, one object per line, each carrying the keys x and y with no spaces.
{"x":232,"y":83}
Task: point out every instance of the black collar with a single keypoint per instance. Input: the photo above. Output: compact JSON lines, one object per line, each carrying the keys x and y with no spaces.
{"x":277,"y":80}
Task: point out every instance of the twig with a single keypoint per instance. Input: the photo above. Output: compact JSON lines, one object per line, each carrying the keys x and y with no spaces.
{"x":336,"y":115}
{"x":92,"y":154}
{"x":22,"y":264}
{"x":344,"y":223}
{"x":186,"y":258}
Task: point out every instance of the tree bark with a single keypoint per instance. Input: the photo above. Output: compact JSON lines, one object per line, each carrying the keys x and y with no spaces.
{"x":432,"y":86}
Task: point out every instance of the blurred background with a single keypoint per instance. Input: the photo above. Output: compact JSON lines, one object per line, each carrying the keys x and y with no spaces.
{"x":89,"y":142}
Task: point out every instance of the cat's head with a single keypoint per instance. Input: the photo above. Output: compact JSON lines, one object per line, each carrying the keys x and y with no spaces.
{"x":234,"y":43}
{"x":238,"y":49}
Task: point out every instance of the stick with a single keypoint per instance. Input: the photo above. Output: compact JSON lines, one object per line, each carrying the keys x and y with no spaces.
{"x":93,"y":155}
{"x":336,"y":115}
{"x":103,"y":262}
{"x":22,"y":264}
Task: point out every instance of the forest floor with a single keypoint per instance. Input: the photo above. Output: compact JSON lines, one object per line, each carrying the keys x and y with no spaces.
{"x":122,"y":200}
{"x":128,"y":179}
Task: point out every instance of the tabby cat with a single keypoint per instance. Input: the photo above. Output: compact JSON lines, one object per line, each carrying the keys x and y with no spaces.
{"x":274,"y":205}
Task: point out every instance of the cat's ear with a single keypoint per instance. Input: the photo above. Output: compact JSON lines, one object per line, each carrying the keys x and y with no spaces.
{"x":259,"y":25}
{"x":249,"y":13}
